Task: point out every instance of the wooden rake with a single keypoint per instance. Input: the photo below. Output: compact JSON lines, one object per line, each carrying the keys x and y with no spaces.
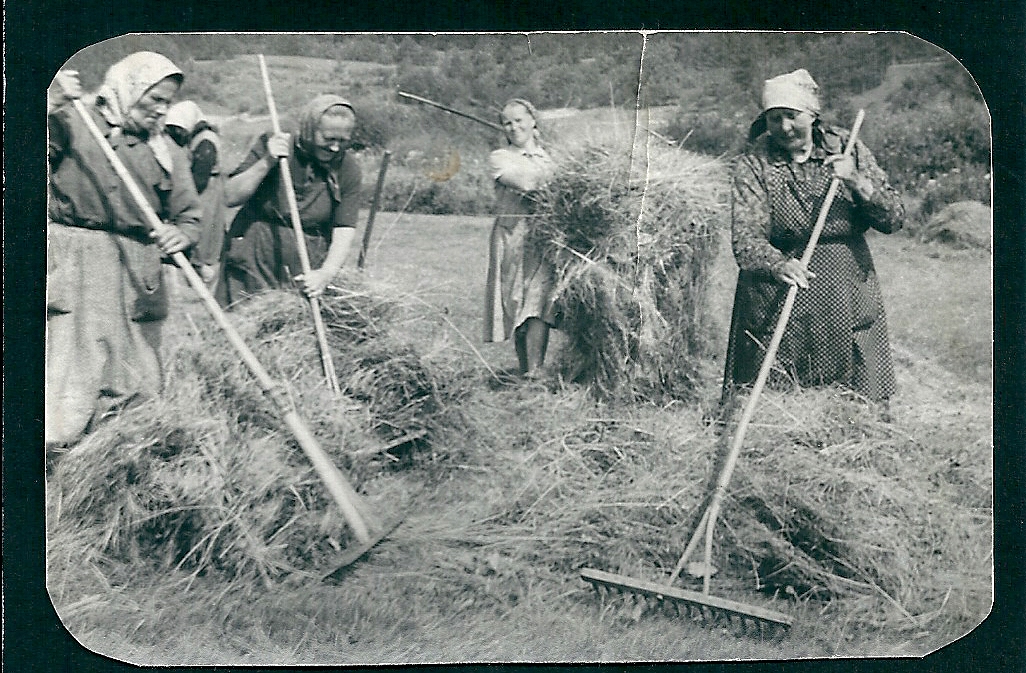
{"x":341,"y":491}
{"x":327,"y":363}
{"x":703,"y":606}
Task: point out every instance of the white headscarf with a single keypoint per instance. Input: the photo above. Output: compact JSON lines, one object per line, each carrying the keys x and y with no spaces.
{"x":185,"y":114}
{"x":125,"y":83}
{"x":795,"y":90}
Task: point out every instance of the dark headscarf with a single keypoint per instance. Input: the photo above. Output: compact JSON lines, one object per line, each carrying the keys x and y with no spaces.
{"x":310,"y":119}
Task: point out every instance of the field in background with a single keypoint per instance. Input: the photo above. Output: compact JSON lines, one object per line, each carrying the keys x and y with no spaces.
{"x":398,"y":606}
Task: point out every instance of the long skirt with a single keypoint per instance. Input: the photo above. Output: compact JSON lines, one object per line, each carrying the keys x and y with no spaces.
{"x":519,"y":284}
{"x":265,"y":257}
{"x":837,"y":332}
{"x":106,"y":302}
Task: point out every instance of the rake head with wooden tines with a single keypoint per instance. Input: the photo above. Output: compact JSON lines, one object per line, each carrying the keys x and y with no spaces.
{"x":702,"y":606}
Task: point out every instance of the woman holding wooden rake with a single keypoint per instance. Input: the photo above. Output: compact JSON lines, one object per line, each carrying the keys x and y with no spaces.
{"x":838,"y":331}
{"x":519,"y":298}
{"x":106,"y":294}
{"x":262,"y":251}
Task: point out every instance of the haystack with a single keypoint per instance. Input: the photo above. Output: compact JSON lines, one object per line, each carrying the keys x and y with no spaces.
{"x":632,"y":236}
{"x":206,"y":480}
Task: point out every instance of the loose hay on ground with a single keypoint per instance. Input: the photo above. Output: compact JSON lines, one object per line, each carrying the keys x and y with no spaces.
{"x":829,"y":507}
{"x":207,"y":481}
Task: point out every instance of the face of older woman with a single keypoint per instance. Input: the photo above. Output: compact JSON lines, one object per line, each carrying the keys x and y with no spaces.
{"x":148,"y":112}
{"x":790,"y":129}
{"x":518,"y":125}
{"x":332,"y":136}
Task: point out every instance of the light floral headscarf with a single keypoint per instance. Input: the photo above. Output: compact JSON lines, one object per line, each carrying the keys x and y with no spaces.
{"x":125,"y":83}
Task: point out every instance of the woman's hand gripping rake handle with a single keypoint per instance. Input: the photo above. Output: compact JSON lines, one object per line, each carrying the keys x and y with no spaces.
{"x":708,"y":521}
{"x":297,"y":225}
{"x":341,"y":491}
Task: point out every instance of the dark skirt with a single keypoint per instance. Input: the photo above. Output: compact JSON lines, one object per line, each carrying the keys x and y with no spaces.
{"x":265,"y":257}
{"x":837,"y":333}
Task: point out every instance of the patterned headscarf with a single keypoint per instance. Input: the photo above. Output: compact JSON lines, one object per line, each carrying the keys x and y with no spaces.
{"x":124,"y":84}
{"x":310,"y":118}
{"x":304,"y":164}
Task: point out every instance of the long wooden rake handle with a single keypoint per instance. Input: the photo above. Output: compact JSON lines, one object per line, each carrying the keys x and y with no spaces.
{"x":297,"y":225}
{"x":375,"y":202}
{"x":341,"y":491}
{"x":446,"y":108}
{"x":708,"y":521}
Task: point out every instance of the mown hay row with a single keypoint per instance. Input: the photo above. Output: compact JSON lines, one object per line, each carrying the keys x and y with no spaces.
{"x":208,"y":481}
{"x":828,"y":505}
{"x":632,"y":238}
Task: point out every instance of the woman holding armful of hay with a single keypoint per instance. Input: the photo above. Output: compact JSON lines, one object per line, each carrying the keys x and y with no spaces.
{"x":262,"y":251}
{"x":838,"y":331}
{"x":106,"y":298}
{"x":519,"y":298}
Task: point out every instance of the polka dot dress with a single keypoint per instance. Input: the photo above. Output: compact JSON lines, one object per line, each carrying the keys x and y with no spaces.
{"x":837,"y":332}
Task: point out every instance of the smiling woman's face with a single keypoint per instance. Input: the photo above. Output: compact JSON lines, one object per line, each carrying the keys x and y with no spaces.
{"x":790,"y":129}
{"x":518,"y":124}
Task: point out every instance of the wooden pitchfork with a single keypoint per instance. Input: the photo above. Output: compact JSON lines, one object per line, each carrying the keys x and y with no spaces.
{"x":348,"y":501}
{"x":703,"y":602}
{"x":297,"y":225}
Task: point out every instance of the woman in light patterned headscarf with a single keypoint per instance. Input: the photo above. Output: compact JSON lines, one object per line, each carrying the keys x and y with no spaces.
{"x":262,"y":251}
{"x":838,"y":330}
{"x":519,"y":299}
{"x":106,"y":298}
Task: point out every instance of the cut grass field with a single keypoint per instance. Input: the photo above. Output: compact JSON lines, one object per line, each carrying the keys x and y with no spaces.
{"x":478,"y":572}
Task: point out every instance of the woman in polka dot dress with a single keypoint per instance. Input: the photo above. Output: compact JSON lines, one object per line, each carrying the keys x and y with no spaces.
{"x":838,"y":331}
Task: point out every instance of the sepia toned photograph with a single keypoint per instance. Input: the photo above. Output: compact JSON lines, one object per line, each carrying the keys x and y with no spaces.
{"x":543,"y":347}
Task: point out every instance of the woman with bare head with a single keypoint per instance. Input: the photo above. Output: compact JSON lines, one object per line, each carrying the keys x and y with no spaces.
{"x":519,"y":299}
{"x":106,"y":298}
{"x":263,"y":252}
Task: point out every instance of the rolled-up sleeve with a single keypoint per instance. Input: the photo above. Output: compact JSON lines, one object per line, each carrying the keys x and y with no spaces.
{"x":349,"y":182}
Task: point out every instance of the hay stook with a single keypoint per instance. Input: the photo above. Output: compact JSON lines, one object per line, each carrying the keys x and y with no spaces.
{"x":206,"y":481}
{"x":632,"y":248}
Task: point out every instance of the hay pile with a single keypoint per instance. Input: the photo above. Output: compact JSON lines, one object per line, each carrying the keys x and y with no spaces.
{"x":632,"y":249}
{"x":873,"y":525}
{"x":207,"y":480}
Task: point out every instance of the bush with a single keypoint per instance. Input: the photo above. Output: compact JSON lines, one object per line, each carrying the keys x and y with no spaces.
{"x":929,"y":141}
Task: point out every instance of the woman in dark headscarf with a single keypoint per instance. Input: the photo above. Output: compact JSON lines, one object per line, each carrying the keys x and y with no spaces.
{"x":519,"y":299}
{"x":262,"y":251}
{"x":838,"y":331}
{"x":106,"y":297}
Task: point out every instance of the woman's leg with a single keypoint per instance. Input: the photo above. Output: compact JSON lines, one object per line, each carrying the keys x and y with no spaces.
{"x":532,"y":341}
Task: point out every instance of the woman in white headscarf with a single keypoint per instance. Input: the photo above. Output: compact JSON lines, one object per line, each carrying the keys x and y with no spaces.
{"x":519,"y":299}
{"x":189,"y":127}
{"x":837,"y":333}
{"x":106,"y":299}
